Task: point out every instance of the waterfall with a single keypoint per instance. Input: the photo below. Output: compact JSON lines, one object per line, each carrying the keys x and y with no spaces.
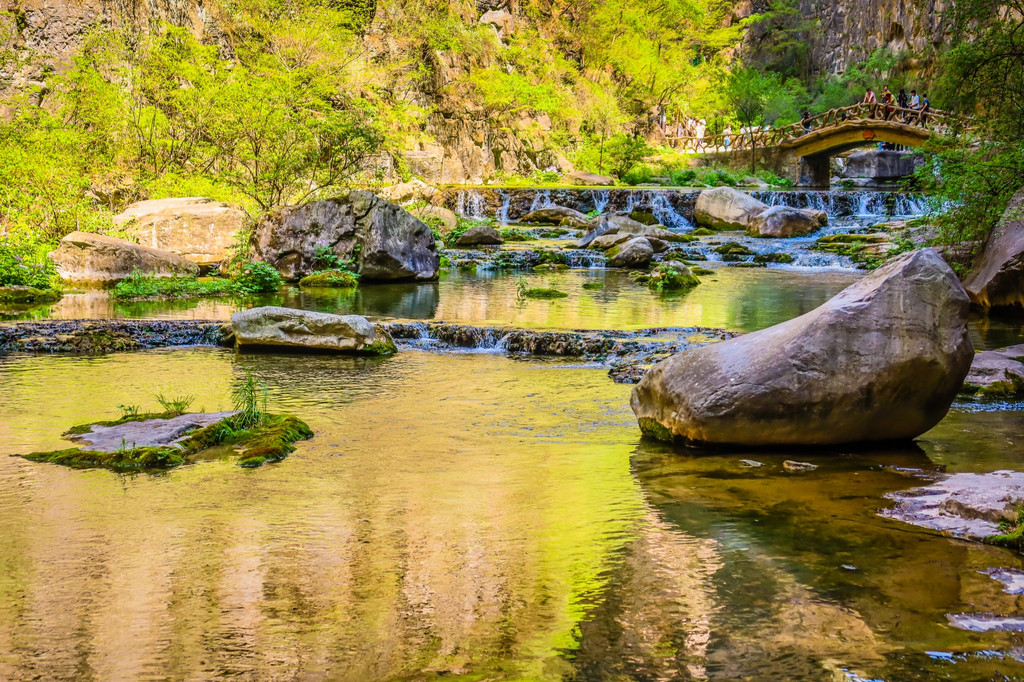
{"x":503,"y":213}
{"x":601,"y":198}
{"x":471,"y":204}
{"x":840,"y":203}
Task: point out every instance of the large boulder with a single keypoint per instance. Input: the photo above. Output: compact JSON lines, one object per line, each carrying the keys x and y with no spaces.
{"x":557,"y":215}
{"x":784,"y":221}
{"x":882,"y":360}
{"x":725,"y":208}
{"x":407,"y":192}
{"x":881,"y":165}
{"x":271,"y":326}
{"x":201,"y":230}
{"x":997,"y":278}
{"x":97,"y":260}
{"x":386,"y":242}
{"x":480,"y":235}
{"x":591,"y":179}
{"x":636,"y":253}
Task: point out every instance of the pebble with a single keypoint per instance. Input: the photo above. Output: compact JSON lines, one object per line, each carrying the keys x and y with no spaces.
{"x":793,"y":466}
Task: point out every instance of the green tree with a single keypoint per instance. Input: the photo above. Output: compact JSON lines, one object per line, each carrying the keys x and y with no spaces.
{"x":761,"y":98}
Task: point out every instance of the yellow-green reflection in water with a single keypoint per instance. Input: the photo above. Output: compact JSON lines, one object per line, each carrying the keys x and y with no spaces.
{"x":733,"y":298}
{"x":467,"y":516}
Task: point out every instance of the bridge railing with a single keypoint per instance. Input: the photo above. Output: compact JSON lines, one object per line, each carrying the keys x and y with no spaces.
{"x":933,"y":120}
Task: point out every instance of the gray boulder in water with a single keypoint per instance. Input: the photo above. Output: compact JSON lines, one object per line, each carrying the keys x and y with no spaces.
{"x":997,"y":278}
{"x":480,"y":235}
{"x":386,"y":242}
{"x":272,"y":326}
{"x":784,"y":221}
{"x":882,"y":360}
{"x":636,"y":253}
{"x":557,"y":215}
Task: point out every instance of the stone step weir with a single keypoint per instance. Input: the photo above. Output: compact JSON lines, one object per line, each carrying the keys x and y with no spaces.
{"x":611,"y":346}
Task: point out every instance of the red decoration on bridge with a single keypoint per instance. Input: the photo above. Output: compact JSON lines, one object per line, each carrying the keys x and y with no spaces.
{"x":869,"y":134}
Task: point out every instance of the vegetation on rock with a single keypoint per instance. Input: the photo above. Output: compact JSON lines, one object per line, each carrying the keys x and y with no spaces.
{"x":330,"y":279}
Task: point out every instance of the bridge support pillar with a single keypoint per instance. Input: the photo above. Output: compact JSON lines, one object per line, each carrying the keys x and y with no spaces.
{"x":814,"y":171}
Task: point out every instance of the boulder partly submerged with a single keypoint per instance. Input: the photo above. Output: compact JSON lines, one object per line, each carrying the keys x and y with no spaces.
{"x":997,"y":373}
{"x":97,"y":260}
{"x":557,"y":215}
{"x":997,"y":278}
{"x":386,"y":242}
{"x":725,"y":208}
{"x":275,"y":327}
{"x":785,"y":221}
{"x":882,"y":360}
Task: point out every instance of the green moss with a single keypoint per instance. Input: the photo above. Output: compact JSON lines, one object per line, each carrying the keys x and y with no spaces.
{"x":270,"y":442}
{"x":747,"y":264}
{"x":139,"y":287}
{"x":513,"y":235}
{"x":29,"y":295}
{"x":554,"y":234}
{"x":701,"y":232}
{"x":852,"y":239}
{"x":384,"y":345}
{"x":551,"y":266}
{"x":701,"y":272}
{"x":653,"y":429}
{"x":1013,"y":535}
{"x":544,"y":293}
{"x":330,"y":279}
{"x":773,"y":258}
{"x":668,"y":278}
{"x":593,"y":286}
{"x":733,"y":251}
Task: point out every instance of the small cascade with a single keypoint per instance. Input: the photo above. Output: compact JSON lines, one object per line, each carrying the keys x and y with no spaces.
{"x":541,"y":199}
{"x":503,"y":211}
{"x":471,"y":204}
{"x":840,"y":203}
{"x":661,"y":207}
{"x":584,"y":258}
{"x":601,"y":197}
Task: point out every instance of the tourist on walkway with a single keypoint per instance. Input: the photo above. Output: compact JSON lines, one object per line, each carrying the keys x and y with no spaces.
{"x":926,"y":106}
{"x":915,"y":101}
{"x":805,"y":120}
{"x":727,"y":135}
{"x":887,"y":100}
{"x":901,"y":101}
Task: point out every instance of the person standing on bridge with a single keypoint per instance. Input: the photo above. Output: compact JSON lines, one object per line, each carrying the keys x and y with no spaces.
{"x":926,"y":106}
{"x":887,"y":100}
{"x":869,"y":99}
{"x":727,"y":136}
{"x":901,"y":102}
{"x":915,"y":101}
{"x":805,"y":121}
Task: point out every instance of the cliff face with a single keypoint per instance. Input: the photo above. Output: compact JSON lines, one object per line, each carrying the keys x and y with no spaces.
{"x":850,"y":30}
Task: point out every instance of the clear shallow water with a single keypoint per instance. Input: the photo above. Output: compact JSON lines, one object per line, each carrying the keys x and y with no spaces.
{"x":511,"y":526}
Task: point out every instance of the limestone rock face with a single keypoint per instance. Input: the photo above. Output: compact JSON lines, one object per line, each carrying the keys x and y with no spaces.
{"x":98,"y":260}
{"x":636,"y":253}
{"x":880,"y":164}
{"x":997,"y":278}
{"x":198,"y":229}
{"x":271,"y":326}
{"x":386,"y":242}
{"x":725,"y":208}
{"x":481,"y":235}
{"x":406,"y":192}
{"x":557,"y":215}
{"x":882,"y":360}
{"x":783,"y":221}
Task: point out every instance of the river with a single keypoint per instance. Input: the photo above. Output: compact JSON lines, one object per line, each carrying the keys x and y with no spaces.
{"x":478,"y":516}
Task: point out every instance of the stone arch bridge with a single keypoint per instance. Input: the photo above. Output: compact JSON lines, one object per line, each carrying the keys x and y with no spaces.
{"x":802,"y":151}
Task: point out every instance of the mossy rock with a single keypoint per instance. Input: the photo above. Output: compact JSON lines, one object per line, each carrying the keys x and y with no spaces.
{"x":550,"y":266}
{"x":384,"y":346}
{"x":510,"y":235}
{"x":733,"y":251}
{"x":17,"y":295}
{"x":271,"y":441}
{"x":702,"y":232}
{"x":554,"y":234}
{"x":544,"y":293}
{"x":330,"y":279}
{"x":666,"y":277}
{"x":701,"y":272}
{"x":852,"y":239}
{"x":773,"y":258}
{"x":748,"y":264}
{"x":593,"y":286}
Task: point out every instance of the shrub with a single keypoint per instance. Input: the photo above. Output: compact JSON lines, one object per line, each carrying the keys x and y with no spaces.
{"x":25,"y":264}
{"x":257,"y":278}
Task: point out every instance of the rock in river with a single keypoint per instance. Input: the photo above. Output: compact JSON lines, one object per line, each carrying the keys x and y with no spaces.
{"x":557,"y":215}
{"x":997,"y":373}
{"x":784,"y":221}
{"x":882,"y":360}
{"x":480,"y":235}
{"x":386,"y":242}
{"x":725,"y":208}
{"x":636,"y":253}
{"x":95,"y":259}
{"x":272,"y":326}
{"x":198,"y":229}
{"x":997,"y":278}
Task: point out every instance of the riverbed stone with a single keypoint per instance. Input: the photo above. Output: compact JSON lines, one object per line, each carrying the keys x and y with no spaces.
{"x":882,"y":360}
{"x":636,"y":253}
{"x":91,"y":259}
{"x":196,"y":228}
{"x":272,"y":326}
{"x":147,"y":432}
{"x":557,"y":215}
{"x":997,"y":373}
{"x":386,"y":242}
{"x":607,"y":241}
{"x":725,"y":208}
{"x":965,"y":505}
{"x":996,"y":279}
{"x":480,"y":235}
{"x":610,"y":223}
{"x":784,"y":221}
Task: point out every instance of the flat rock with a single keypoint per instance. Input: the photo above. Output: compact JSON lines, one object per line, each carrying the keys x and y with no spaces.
{"x":725,"y":208}
{"x":94,"y":259}
{"x":196,"y":228}
{"x":882,"y":360}
{"x":963,"y":505}
{"x":784,"y":221}
{"x":592,"y":179}
{"x":793,"y":466}
{"x":272,"y":326}
{"x":557,"y":215}
{"x":997,"y":373}
{"x":146,"y":433}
